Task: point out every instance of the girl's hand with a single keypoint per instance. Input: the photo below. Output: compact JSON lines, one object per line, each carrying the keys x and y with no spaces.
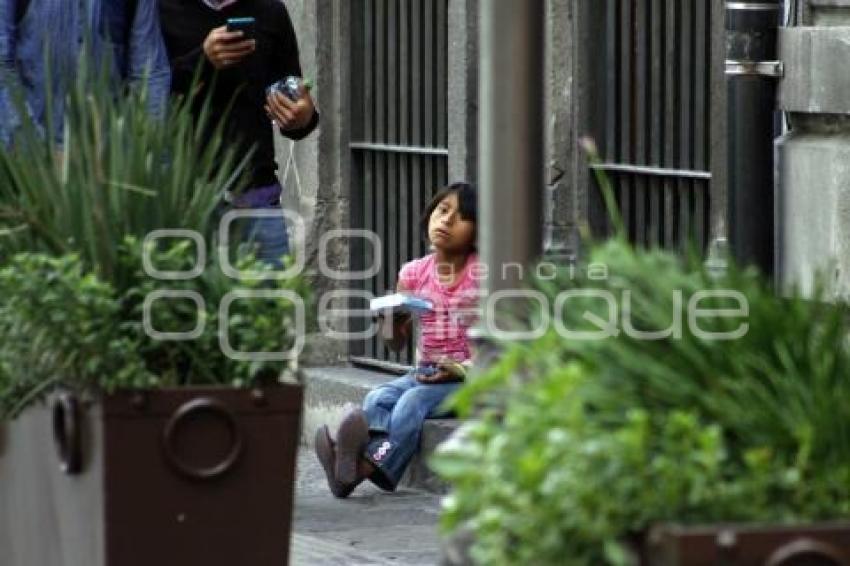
{"x":440,"y":376}
{"x":448,"y":371}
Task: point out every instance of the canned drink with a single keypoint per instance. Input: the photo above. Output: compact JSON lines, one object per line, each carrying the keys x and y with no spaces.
{"x":289,"y":87}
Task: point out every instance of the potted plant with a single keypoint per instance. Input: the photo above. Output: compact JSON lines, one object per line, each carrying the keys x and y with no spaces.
{"x":671,"y":414}
{"x":131,"y":436}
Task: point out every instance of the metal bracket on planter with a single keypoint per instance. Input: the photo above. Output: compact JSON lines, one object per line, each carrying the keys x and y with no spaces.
{"x":67,"y":433}
{"x":807,"y":551}
{"x":184,"y":413}
{"x":754,"y":6}
{"x":770,"y":69}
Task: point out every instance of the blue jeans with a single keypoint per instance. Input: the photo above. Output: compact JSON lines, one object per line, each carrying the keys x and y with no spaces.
{"x":267,"y":235}
{"x":396,"y":412}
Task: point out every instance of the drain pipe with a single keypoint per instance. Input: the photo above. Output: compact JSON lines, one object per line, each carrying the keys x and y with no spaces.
{"x":752,"y":72}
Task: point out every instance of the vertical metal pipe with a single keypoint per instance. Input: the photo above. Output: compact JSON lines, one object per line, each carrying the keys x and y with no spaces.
{"x":751,"y":52}
{"x":511,"y":137}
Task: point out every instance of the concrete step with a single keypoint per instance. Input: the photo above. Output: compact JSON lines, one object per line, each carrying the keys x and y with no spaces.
{"x":330,"y":390}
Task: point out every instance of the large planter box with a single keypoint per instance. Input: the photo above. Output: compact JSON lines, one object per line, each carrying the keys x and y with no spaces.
{"x":749,"y":545}
{"x":166,"y":477}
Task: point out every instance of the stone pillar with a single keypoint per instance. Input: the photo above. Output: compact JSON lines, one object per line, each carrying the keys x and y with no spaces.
{"x":315,"y":171}
{"x":511,"y":137}
{"x":813,"y":159}
{"x":561,"y":214}
{"x":463,"y":90}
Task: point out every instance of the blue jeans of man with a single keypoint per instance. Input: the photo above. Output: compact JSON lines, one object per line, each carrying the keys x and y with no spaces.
{"x":266,"y":234}
{"x":396,"y":412}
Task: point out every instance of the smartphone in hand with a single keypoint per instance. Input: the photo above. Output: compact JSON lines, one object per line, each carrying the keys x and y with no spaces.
{"x":245,"y":25}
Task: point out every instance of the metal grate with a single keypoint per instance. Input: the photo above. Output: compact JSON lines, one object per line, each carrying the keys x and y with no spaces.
{"x":399,"y":134}
{"x":653,"y":85}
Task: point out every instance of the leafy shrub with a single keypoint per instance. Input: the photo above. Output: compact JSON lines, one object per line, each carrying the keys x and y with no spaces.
{"x":575,"y":446}
{"x":60,"y":325}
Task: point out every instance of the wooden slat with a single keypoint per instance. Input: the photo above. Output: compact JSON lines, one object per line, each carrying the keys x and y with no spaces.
{"x":417,"y":137}
{"x":656,"y":81}
{"x":368,"y":67}
{"x":701,"y":82}
{"x":381,"y":70}
{"x":685,"y":214}
{"x":407,"y":230}
{"x":370,"y":204}
{"x":405,"y":73}
{"x":441,"y":80}
{"x":416,"y":197}
{"x":687,"y":68}
{"x":642,"y":113}
{"x":357,"y":255}
{"x":701,"y":214}
{"x":393,"y":73}
{"x":428,"y":101}
{"x":655,"y":211}
{"x":612,"y":116}
{"x":417,"y":78}
{"x":626,"y":182}
{"x":392,"y":227}
{"x":671,"y":113}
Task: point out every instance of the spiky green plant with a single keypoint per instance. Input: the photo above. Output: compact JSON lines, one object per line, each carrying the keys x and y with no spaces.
{"x":118,"y":172}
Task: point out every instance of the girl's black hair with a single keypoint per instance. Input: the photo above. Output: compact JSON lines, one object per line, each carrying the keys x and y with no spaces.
{"x":467,"y":198}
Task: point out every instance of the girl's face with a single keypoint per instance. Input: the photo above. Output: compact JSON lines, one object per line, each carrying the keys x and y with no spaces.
{"x":447,"y":231}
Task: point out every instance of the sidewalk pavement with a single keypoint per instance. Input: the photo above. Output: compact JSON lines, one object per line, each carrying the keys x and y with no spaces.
{"x":371,"y":527}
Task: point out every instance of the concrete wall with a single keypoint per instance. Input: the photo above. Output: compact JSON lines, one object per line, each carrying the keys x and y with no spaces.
{"x":813,"y":160}
{"x":315,"y":171}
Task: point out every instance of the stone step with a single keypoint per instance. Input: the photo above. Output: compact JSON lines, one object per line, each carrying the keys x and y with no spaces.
{"x":328,"y":392}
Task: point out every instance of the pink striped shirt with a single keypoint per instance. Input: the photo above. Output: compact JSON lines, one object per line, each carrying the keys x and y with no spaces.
{"x":443,"y":331}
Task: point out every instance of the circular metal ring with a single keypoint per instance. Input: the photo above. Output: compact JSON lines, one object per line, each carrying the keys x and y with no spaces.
{"x":807,"y":549}
{"x":191,"y":408}
{"x":67,"y":433}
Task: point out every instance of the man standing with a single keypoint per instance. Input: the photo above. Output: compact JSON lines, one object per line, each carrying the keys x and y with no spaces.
{"x":42,"y":40}
{"x":235,"y":70}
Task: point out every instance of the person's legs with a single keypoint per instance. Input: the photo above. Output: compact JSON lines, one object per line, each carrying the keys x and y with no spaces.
{"x":269,"y":237}
{"x":267,"y":234}
{"x":391,"y":453}
{"x":380,"y":401}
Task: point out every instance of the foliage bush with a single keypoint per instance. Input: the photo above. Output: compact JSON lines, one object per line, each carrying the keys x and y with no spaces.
{"x":62,"y":325}
{"x":574,"y":447}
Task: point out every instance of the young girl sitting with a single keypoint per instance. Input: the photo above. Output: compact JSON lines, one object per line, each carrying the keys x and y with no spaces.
{"x":378,"y":441}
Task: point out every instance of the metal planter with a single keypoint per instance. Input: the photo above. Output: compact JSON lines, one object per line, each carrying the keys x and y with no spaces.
{"x":180,"y":476}
{"x":818,"y":544}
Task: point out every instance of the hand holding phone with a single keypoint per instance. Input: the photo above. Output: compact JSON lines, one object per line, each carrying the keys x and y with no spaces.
{"x":225,"y":48}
